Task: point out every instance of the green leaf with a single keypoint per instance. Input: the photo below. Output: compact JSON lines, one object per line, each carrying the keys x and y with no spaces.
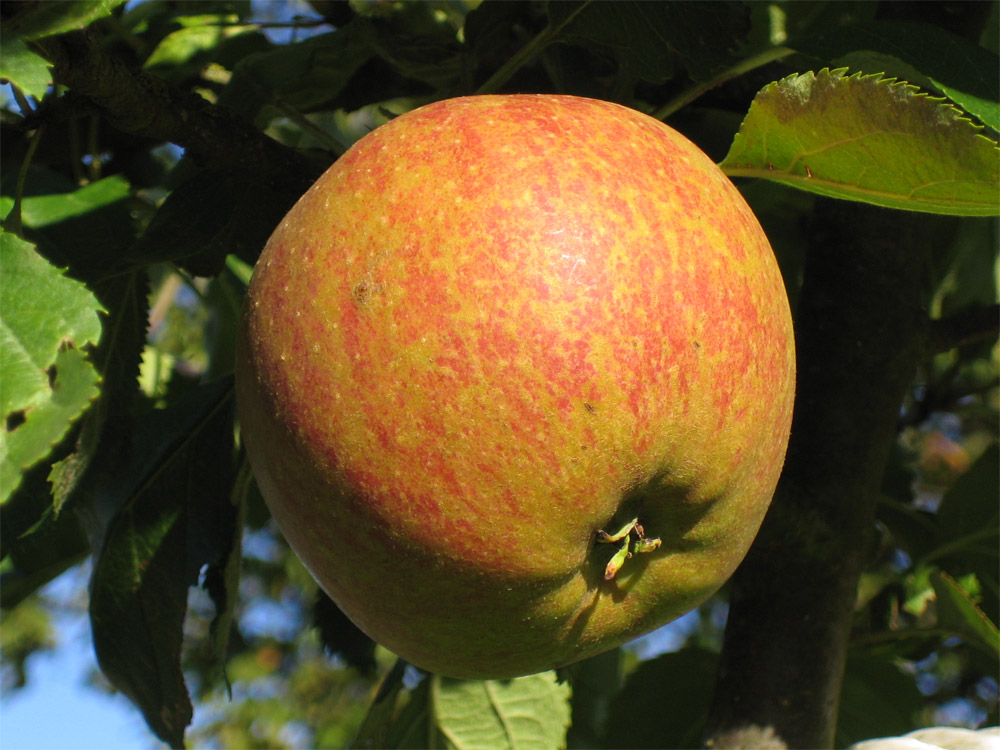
{"x":45,"y":210}
{"x":867,"y":139}
{"x":210,"y":216}
{"x":305,"y":76}
{"x":595,"y":683}
{"x":101,"y":449}
{"x":527,"y":712}
{"x":969,"y":508}
{"x":958,"y":68}
{"x":26,"y":69}
{"x":200,"y":36}
{"x":38,"y":20}
{"x":170,"y":516}
{"x":664,"y":702}
{"x":968,"y":526}
{"x":523,"y":713}
{"x":46,"y":320}
{"x":957,"y":610}
{"x":378,"y":721}
{"x":22,"y":67}
{"x":86,"y":228}
{"x":876,"y":700}
{"x":643,"y":36}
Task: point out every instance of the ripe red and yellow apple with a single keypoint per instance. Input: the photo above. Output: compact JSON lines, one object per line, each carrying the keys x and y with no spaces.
{"x":495,"y":332}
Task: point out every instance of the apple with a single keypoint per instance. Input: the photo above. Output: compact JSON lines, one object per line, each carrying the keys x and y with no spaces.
{"x":515,"y":378}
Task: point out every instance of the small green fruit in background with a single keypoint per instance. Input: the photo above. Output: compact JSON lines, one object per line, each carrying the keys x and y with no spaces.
{"x":515,"y":377}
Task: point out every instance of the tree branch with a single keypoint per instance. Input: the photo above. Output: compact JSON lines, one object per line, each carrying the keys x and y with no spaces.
{"x":961,"y":329}
{"x":144,"y":105}
{"x":860,"y":333}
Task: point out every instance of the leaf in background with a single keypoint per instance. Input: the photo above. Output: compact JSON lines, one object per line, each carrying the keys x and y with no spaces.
{"x":969,"y":507}
{"x":86,"y":228}
{"x":876,"y":699}
{"x":27,"y":70}
{"x":341,"y":637}
{"x":967,"y":528}
{"x":306,"y":76}
{"x":867,"y":139}
{"x":595,"y":683}
{"x":38,"y":20}
{"x":102,"y":447}
{"x":963,"y":71}
{"x":378,"y":721}
{"x":664,"y":702}
{"x":643,"y":36}
{"x":42,"y":210}
{"x":222,"y":577}
{"x":971,"y":280}
{"x":208,"y":217}
{"x":22,"y":67}
{"x":522,"y":713}
{"x":418,"y":42}
{"x":169,"y":517}
{"x":46,"y":320}
{"x":958,"y":611}
{"x":203,"y":39}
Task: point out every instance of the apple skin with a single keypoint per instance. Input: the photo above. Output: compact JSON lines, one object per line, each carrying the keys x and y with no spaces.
{"x":495,"y":326}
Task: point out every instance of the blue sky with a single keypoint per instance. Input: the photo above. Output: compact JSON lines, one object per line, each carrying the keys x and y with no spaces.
{"x":58,"y":709}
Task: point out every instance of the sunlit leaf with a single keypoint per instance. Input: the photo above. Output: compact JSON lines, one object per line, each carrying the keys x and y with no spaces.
{"x":44,"y":210}
{"x":867,"y":139}
{"x":524,"y":713}
{"x":22,"y":67}
{"x":527,"y":712}
{"x":966,"y":73}
{"x":957,"y":610}
{"x":85,"y":228}
{"x":200,"y":35}
{"x":46,"y":320}
{"x":38,"y":20}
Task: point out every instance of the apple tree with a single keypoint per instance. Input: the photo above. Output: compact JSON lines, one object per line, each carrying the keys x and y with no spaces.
{"x":149,"y":150}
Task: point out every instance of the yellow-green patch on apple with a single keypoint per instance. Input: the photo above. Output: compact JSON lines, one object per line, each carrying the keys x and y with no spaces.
{"x":495,"y":328}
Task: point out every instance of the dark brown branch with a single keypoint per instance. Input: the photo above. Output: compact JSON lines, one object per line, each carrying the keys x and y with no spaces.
{"x":961,"y":329}
{"x":860,"y":335}
{"x":146,"y":106}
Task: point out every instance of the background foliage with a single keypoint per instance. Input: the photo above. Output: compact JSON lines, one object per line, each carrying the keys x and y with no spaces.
{"x":150,"y":147}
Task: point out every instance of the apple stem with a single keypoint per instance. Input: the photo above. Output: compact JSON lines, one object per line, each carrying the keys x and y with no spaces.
{"x":640,"y":544}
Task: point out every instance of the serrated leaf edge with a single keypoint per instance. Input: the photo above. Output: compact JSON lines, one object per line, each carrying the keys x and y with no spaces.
{"x":807,"y":180}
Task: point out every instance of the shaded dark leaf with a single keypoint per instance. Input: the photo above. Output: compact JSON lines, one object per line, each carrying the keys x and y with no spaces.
{"x":644,"y":36}
{"x":305,"y":76}
{"x":170,"y":516}
{"x":210,"y":216}
{"x":664,"y":702}
{"x":967,"y":532}
{"x":876,"y":700}
{"x":341,"y":637}
{"x":374,"y":730}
